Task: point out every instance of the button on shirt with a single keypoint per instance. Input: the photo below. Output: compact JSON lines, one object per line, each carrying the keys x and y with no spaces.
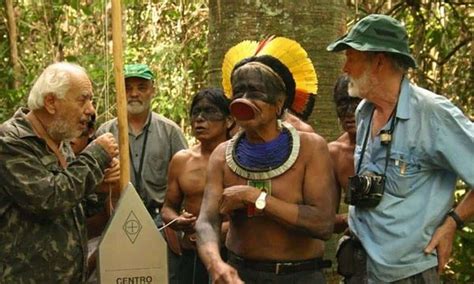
{"x":432,"y":146}
{"x":165,"y":138}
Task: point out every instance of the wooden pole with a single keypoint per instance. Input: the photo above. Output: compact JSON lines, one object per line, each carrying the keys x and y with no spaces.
{"x":121,"y":98}
{"x":12,"y":35}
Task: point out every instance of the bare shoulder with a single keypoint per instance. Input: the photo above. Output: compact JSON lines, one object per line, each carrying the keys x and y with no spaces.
{"x":220,"y":149}
{"x":182,"y":156}
{"x":335,"y":147}
{"x":298,"y":123}
{"x":315,"y":140}
{"x":303,"y":126}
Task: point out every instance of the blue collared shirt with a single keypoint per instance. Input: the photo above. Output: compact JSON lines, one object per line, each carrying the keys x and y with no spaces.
{"x":433,"y":146}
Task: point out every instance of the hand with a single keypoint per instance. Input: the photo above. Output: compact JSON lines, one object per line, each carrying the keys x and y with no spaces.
{"x":111,"y":179}
{"x":221,"y":272}
{"x":236,"y":197}
{"x":442,"y":240}
{"x":112,"y":173}
{"x":107,"y":141}
{"x":185,"y":222}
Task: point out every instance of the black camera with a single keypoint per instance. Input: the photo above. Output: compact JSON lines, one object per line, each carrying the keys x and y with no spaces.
{"x":365,"y":191}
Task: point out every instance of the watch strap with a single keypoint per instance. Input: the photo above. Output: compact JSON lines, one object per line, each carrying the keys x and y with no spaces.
{"x":456,"y":218}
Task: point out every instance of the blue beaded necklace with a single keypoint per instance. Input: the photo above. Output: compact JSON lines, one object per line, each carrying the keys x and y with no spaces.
{"x":263,"y":156}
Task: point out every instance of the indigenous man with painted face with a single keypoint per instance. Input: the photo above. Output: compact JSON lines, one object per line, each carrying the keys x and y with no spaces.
{"x":274,"y":183}
{"x":153,"y":141}
{"x":411,"y":147}
{"x":42,"y":225}
{"x":211,"y":123}
{"x":342,"y":149}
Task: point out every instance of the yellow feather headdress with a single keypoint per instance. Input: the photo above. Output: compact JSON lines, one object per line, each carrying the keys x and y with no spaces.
{"x":289,"y":53}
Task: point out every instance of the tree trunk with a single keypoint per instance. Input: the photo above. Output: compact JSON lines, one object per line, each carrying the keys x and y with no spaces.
{"x":12,"y":37}
{"x":313,"y":23}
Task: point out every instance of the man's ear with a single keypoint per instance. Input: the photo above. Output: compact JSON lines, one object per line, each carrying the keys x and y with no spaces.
{"x":50,"y":103}
{"x":381,"y":62}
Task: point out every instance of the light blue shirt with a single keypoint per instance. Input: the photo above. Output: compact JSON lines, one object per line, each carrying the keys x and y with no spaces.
{"x":433,"y":145}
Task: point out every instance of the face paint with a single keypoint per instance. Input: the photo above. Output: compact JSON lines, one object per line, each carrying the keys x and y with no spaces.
{"x":254,"y":81}
{"x":206,"y":111}
{"x":347,"y":109}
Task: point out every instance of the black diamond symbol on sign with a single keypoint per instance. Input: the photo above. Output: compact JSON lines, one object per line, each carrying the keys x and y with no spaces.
{"x":132,"y":227}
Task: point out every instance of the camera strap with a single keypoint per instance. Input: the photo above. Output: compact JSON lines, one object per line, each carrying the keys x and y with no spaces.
{"x":393,"y":122}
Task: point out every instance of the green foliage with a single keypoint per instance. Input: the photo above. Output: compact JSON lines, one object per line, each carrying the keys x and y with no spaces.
{"x":440,"y":34}
{"x":171,"y":37}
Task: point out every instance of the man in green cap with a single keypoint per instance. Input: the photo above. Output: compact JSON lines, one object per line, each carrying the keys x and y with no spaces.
{"x":411,"y":147}
{"x":153,"y":140}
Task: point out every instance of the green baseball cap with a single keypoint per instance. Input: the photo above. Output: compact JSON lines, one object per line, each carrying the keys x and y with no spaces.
{"x":376,"y":32}
{"x":138,"y":70}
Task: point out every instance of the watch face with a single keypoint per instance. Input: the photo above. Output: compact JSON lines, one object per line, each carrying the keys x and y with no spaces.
{"x":260,"y":204}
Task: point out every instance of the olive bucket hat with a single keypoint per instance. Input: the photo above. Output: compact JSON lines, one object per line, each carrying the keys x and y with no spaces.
{"x":376,"y":32}
{"x":138,"y":70}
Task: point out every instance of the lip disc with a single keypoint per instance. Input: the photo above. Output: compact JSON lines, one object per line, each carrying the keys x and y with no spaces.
{"x":243,"y":109}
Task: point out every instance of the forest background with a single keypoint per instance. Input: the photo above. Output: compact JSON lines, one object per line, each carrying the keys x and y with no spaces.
{"x":178,"y":39}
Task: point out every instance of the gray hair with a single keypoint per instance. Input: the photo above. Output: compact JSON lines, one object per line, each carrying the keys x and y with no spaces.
{"x":55,"y":80}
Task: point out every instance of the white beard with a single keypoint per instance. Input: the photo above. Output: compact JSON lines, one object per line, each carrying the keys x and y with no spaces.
{"x":60,"y":130}
{"x":358,"y":88}
{"x":136,"y":107}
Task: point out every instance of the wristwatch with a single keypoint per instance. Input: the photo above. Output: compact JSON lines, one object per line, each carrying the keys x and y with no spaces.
{"x":452,"y":214}
{"x":260,"y":203}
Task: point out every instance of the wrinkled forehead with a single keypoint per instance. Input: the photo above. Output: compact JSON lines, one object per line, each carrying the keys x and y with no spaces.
{"x":80,"y":85}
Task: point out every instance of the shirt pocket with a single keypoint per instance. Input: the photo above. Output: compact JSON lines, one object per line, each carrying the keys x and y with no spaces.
{"x":156,"y":169}
{"x":403,"y":172}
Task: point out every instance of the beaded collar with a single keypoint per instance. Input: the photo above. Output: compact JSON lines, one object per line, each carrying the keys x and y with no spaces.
{"x":266,"y":173}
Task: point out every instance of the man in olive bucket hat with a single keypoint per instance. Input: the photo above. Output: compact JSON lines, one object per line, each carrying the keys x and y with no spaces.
{"x":411,"y":147}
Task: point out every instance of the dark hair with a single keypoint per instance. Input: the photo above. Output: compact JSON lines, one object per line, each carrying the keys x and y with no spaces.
{"x":341,"y":97}
{"x":279,"y":68}
{"x":215,"y":96}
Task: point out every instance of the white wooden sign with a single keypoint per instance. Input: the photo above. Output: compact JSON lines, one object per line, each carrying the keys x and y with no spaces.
{"x":132,"y":250}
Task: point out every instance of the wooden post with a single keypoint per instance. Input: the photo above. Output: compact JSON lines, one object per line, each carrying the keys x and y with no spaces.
{"x":121,"y":98}
{"x":12,"y":34}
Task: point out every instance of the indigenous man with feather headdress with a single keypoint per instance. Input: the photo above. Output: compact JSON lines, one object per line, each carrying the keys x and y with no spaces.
{"x":274,"y":183}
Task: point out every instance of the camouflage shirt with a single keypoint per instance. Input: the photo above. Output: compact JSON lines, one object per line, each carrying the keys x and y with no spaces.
{"x":42,"y":224}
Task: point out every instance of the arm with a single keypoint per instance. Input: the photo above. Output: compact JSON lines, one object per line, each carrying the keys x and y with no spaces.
{"x":174,"y":197}
{"x":208,"y":225}
{"x":443,"y":237}
{"x":340,"y":224}
{"x":35,"y":182}
{"x":316,"y":214}
{"x":454,"y":136}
